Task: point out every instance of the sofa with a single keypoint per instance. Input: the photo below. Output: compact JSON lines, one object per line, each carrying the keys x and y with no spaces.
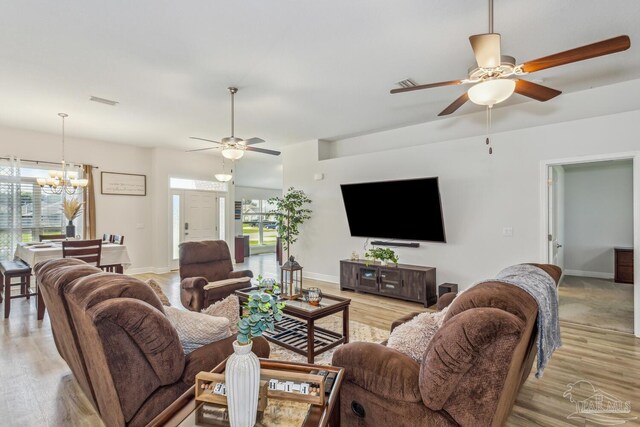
{"x":470,"y":373}
{"x":206,"y":273}
{"x":112,"y":331}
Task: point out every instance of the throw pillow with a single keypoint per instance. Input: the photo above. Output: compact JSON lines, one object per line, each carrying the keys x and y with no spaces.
{"x":196,"y":329}
{"x":228,"y":308}
{"x":158,"y":290}
{"x":413,"y":337}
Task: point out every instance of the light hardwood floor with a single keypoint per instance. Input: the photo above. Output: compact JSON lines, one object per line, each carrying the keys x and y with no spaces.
{"x":38,"y":389}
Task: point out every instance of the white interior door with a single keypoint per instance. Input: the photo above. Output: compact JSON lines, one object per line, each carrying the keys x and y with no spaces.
{"x":194,"y":217}
{"x":556,"y":215}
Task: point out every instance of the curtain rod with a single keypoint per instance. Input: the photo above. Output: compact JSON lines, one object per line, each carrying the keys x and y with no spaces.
{"x":47,"y":162}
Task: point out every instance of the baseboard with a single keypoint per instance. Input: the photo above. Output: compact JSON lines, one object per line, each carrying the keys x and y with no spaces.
{"x":321,"y":277}
{"x":139,"y":270}
{"x":595,"y":274}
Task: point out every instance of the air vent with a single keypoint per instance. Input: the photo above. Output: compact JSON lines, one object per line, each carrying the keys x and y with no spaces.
{"x":406,"y":83}
{"x":103,"y":100}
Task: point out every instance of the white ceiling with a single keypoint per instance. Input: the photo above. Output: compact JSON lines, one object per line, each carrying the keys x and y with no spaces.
{"x":305,"y":69}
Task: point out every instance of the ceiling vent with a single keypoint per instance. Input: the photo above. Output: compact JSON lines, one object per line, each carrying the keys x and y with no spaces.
{"x":406,"y":83}
{"x":103,"y":100}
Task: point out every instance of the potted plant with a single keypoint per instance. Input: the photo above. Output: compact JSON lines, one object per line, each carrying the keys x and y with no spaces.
{"x":386,"y":256}
{"x":242,"y":373}
{"x":290,"y":213}
{"x":71,"y":208}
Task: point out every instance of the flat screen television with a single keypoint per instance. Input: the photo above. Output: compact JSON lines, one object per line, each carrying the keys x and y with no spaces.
{"x":407,"y":210}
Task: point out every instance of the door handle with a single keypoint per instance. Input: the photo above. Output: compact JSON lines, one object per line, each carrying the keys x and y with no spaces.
{"x":558,"y":245}
{"x":186,"y":225}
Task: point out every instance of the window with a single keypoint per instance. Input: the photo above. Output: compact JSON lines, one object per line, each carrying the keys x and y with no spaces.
{"x":25,"y":211}
{"x":258,"y":223}
{"x":194,"y":184}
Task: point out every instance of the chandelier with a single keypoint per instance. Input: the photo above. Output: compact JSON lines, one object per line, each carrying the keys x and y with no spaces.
{"x":62,"y":181}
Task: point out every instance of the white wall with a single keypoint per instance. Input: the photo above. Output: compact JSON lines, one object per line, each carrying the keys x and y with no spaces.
{"x":144,"y":221}
{"x":598,"y":216}
{"x":481,"y":194}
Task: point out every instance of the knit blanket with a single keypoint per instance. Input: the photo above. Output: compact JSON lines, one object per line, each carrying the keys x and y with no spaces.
{"x":542,"y":288}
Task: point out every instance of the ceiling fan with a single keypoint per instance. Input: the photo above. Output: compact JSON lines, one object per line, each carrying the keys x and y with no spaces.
{"x":233,"y":147}
{"x":495,"y":78}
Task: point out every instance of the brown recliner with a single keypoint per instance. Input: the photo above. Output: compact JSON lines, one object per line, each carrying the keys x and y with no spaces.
{"x":470,"y":373}
{"x":112,"y":331}
{"x":206,"y":274}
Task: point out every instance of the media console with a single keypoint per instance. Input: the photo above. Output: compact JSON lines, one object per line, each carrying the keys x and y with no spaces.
{"x":407,"y":282}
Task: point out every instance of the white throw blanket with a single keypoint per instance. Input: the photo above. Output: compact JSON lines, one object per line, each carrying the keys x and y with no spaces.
{"x":542,"y":288}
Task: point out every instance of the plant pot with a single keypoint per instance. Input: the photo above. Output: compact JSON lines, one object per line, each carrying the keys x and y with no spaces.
{"x":71,"y":229}
{"x":242,"y":377}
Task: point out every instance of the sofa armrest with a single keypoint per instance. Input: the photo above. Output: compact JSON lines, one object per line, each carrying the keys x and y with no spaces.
{"x":211,"y":355}
{"x":445,"y":300}
{"x":193,"y":283}
{"x":403,"y":319}
{"x":240,"y":273}
{"x":380,"y":370}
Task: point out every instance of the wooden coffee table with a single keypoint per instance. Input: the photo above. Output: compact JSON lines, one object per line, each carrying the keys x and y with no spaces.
{"x":297,"y":331}
{"x":187,"y":412}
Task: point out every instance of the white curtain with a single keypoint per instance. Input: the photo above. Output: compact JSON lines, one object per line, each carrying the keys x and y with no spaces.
{"x":10,"y":206}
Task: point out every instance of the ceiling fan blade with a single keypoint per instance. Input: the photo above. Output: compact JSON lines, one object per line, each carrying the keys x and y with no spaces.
{"x":605,"y":47}
{"x":535,"y":91}
{"x":263,"y":150}
{"x":486,"y":48}
{"x":202,"y":149}
{"x":455,"y":105}
{"x":427,"y":86}
{"x":253,"y":140}
{"x":203,"y":139}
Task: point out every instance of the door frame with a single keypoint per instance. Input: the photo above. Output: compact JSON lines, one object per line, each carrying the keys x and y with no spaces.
{"x":544,"y":212}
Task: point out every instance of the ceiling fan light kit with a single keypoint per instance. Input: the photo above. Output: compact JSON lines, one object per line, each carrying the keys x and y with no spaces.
{"x":490,"y":92}
{"x":233,"y":153}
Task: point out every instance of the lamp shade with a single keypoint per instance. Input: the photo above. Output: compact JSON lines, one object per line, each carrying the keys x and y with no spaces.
{"x":233,"y":153}
{"x":491,"y":92}
{"x":223,"y":177}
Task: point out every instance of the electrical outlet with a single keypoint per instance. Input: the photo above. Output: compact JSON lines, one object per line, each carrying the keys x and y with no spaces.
{"x":507,"y":232}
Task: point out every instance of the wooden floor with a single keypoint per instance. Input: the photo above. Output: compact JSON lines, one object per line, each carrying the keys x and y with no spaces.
{"x":37,"y":387}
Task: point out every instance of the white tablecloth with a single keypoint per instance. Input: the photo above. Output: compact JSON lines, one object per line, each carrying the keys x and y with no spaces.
{"x":111,"y":254}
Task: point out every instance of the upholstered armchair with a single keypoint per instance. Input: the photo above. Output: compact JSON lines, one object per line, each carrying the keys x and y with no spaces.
{"x":470,"y":373}
{"x":206,"y":274}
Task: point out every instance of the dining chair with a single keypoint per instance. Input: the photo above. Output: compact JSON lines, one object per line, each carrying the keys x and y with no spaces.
{"x":88,"y":251}
{"x":44,"y":237}
{"x":117,"y":239}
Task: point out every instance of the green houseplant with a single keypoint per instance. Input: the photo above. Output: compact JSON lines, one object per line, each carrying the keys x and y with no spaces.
{"x":291,"y":212}
{"x":384,"y":255}
{"x":262,"y":310}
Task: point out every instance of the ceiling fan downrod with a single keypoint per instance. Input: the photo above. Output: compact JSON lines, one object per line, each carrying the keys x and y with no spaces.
{"x":232,"y":91}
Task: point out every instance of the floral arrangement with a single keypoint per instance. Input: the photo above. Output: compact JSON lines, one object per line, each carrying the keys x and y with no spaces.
{"x":71,"y":208}
{"x":261,"y":311}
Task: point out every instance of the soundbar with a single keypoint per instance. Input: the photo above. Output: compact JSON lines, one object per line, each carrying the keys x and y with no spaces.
{"x":395,"y":244}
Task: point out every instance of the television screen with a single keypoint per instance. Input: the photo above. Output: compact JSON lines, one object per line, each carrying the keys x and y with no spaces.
{"x":407,"y":210}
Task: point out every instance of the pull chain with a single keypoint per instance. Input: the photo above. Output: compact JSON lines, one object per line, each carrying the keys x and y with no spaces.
{"x":488,"y":139}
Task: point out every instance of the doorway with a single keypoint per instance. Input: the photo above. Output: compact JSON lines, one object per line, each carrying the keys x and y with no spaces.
{"x":590,"y":211}
{"x":195,"y":216}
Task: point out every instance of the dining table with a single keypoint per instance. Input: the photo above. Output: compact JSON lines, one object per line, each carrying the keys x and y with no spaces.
{"x":33,"y":253}
{"x":113,"y":257}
